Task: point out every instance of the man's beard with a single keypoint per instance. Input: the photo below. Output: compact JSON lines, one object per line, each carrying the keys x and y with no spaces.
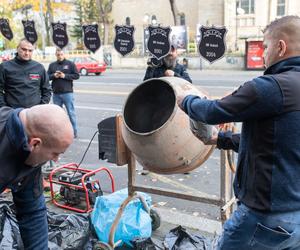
{"x":169,"y":62}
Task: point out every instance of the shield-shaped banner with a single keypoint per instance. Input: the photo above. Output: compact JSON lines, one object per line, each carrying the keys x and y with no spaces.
{"x":5,"y":29}
{"x":158,"y":42}
{"x":91,"y":37}
{"x":124,"y":41}
{"x":29,"y":31}
{"x":212,"y":43}
{"x":59,"y":34}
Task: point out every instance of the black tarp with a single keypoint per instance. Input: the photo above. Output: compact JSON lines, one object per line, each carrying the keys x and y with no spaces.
{"x":66,"y":231}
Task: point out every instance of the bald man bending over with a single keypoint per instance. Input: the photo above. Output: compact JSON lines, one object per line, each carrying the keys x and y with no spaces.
{"x":29,"y":138}
{"x":267,"y":181}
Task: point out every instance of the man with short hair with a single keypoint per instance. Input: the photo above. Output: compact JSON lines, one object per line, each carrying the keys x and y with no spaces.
{"x":267,"y":182}
{"x":23,"y":81}
{"x":29,"y":138}
{"x":62,"y":73}
{"x":168,"y":66}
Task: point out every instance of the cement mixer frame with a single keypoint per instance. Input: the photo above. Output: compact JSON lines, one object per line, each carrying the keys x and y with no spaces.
{"x":225,"y":202}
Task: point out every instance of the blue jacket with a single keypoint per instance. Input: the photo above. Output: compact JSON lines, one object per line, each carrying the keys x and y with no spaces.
{"x":268,"y":168}
{"x":156,"y":72}
{"x":24,"y":181}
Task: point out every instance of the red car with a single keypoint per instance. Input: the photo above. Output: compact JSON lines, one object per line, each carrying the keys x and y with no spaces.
{"x":87,"y":65}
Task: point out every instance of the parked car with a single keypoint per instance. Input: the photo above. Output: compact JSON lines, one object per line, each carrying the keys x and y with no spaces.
{"x":6,"y":55}
{"x":87,"y":65}
{"x":4,"y":58}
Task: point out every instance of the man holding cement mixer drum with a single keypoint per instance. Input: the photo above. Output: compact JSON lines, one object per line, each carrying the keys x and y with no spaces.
{"x":267,"y":182}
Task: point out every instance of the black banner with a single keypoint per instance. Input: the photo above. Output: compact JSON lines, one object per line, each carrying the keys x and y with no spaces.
{"x":91,"y":37}
{"x":212,"y":44}
{"x":5,"y":29}
{"x":158,"y":41}
{"x":59,"y":34}
{"x":124,"y":41}
{"x":29,"y":31}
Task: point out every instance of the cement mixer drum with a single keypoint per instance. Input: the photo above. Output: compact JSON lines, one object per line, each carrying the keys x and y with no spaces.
{"x":157,"y":131}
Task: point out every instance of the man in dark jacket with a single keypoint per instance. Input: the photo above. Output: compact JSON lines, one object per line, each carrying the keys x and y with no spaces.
{"x":62,"y":73}
{"x":23,"y":82}
{"x":29,"y":138}
{"x":168,"y":67}
{"x":268,"y":170}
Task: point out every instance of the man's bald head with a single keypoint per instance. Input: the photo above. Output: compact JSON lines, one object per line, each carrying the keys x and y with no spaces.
{"x":49,"y":132}
{"x":25,"y":50}
{"x":49,"y":122}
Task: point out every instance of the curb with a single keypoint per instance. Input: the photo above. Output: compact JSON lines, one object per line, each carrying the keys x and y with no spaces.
{"x":190,"y":221}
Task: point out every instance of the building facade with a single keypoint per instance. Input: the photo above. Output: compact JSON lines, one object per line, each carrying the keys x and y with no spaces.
{"x":244,"y":19}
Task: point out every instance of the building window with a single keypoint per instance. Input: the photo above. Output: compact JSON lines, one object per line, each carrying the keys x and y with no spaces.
{"x":246,"y":22}
{"x":280,"y":7}
{"x":182,"y":19}
{"x":246,"y":5}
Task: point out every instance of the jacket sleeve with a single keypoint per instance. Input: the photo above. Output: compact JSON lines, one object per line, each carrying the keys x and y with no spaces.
{"x":51,"y":72}
{"x":31,"y":213}
{"x":149,"y":73}
{"x":45,"y":88}
{"x":228,"y":140}
{"x":73,"y":75}
{"x":183,"y":74}
{"x":2,"y":82}
{"x":253,"y":100}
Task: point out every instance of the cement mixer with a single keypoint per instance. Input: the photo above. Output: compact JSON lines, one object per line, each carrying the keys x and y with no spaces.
{"x":158,"y":132}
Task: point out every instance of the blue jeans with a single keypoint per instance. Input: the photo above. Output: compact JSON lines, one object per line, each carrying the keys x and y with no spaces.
{"x":248,"y":229}
{"x":67,"y":99}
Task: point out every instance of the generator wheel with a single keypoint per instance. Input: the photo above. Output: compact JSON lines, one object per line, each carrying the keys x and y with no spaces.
{"x":155,"y":219}
{"x":102,"y":246}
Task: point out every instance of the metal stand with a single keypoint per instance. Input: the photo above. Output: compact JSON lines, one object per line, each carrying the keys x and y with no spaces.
{"x":225,"y":202}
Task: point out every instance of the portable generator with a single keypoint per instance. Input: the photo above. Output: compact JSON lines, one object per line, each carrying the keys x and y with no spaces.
{"x":75,"y":196}
{"x":76,"y":187}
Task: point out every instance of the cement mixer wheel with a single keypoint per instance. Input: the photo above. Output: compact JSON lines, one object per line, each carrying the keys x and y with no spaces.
{"x":102,"y":246}
{"x":155,"y":219}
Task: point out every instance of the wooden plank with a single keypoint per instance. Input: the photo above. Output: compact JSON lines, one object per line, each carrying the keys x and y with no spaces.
{"x":174,"y":194}
{"x":121,"y":148}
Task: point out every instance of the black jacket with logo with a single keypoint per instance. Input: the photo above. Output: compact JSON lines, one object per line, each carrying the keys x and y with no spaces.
{"x":63,"y":85}
{"x":23,"y":84}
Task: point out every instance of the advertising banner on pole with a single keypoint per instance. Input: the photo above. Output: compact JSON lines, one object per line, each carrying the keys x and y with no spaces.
{"x":254,"y":55}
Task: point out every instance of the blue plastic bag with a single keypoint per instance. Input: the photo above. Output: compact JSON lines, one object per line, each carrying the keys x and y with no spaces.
{"x":134,"y":223}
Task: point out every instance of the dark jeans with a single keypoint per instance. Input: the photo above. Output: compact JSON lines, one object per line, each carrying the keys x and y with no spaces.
{"x":248,"y":229}
{"x":32,"y":213}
